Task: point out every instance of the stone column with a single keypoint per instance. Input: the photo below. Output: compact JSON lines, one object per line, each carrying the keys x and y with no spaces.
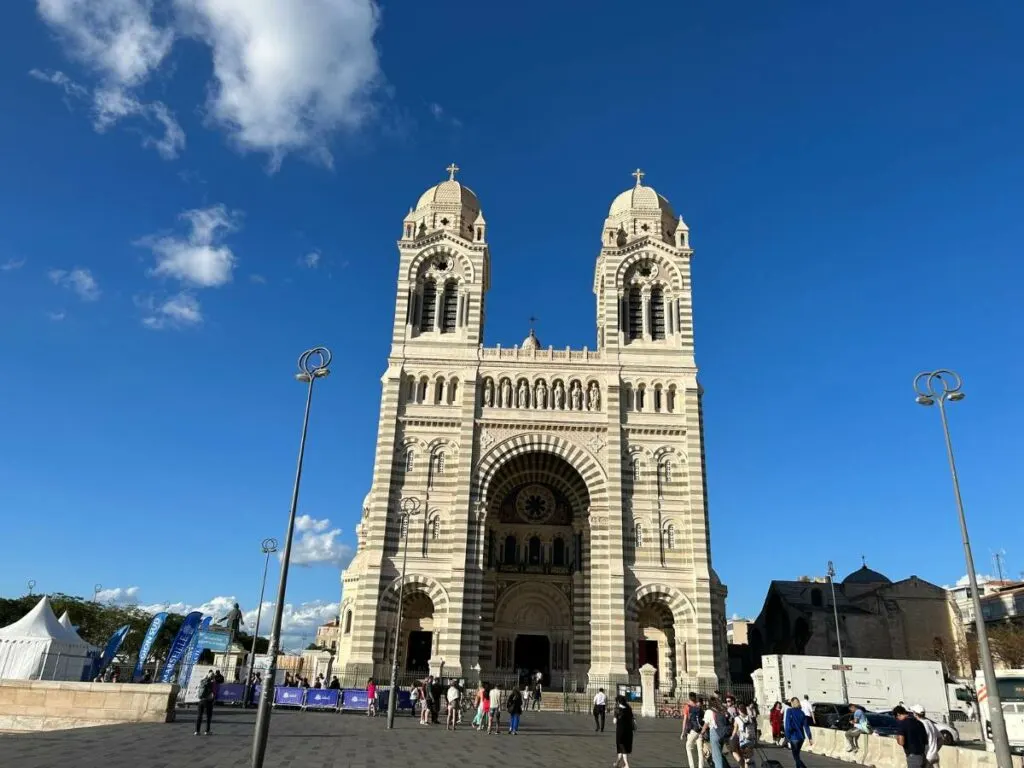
{"x":647,"y":707}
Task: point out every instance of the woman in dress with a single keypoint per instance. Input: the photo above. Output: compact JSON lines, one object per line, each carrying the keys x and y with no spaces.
{"x":625,"y":724}
{"x":775,"y":717}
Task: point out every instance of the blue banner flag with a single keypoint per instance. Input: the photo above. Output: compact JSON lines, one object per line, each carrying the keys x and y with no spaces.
{"x":147,"y":642}
{"x":113,"y":644}
{"x":180,"y":645}
{"x":194,"y":651}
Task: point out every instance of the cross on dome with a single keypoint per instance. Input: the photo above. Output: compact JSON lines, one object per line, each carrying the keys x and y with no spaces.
{"x":638,"y":175}
{"x":452,"y":170}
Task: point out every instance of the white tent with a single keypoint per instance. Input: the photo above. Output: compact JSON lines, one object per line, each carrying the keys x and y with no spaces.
{"x":39,"y":647}
{"x":65,"y":621}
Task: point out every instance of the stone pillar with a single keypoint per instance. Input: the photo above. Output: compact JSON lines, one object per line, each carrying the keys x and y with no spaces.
{"x":647,"y":707}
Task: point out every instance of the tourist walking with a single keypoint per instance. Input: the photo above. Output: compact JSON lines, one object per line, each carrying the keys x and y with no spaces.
{"x":797,"y":728}
{"x":478,"y":707}
{"x":693,"y":722}
{"x":744,"y":736}
{"x":371,"y":698}
{"x":931,"y":752}
{"x":207,"y":694}
{"x":496,"y":697}
{"x":858,"y":725}
{"x":625,"y":724}
{"x":775,"y":720}
{"x":535,"y":696}
{"x":515,"y":710}
{"x":807,"y":709}
{"x":452,"y":719}
{"x":716,"y":729}
{"x":600,"y":707}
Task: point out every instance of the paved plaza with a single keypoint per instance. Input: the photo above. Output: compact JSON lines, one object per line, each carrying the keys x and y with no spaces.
{"x":328,"y":740}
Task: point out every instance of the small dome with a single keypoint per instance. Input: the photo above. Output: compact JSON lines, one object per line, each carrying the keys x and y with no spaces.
{"x":641,"y":212}
{"x":865,"y":575}
{"x":531,"y":341}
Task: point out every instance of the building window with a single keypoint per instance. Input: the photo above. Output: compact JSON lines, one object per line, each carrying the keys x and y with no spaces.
{"x":558,"y":551}
{"x":657,"y":314}
{"x":510,"y":550}
{"x":449,"y":317}
{"x":439,"y":463}
{"x":636,"y":313}
{"x":816,"y":598}
{"x":534,"y":551}
{"x":435,"y":529}
{"x":348,"y":622}
{"x":428,"y":309}
{"x":638,"y":532}
{"x":410,"y":461}
{"x":670,"y":536}
{"x":636,"y":470}
{"x":666,"y":472}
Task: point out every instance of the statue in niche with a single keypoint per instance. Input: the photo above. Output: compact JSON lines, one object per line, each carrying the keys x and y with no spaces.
{"x":558,"y":396}
{"x":594,"y":397}
{"x":541,"y":400}
{"x":576,"y":396}
{"x":524,"y":398}
{"x":489,"y":394}
{"x":506,"y":394}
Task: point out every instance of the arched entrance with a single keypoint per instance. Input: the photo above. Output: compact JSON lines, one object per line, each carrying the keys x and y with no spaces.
{"x":535,"y":612}
{"x":423,"y":622}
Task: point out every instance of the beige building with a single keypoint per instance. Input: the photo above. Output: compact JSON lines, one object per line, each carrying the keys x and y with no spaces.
{"x":561,"y":520}
{"x":327,"y":635}
{"x":878,"y":619}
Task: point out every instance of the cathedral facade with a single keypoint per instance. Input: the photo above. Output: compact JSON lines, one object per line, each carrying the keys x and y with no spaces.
{"x":548,"y":506}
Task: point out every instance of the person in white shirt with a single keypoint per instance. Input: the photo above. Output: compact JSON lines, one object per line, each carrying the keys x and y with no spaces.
{"x":600,"y":708}
{"x":453,"y":705}
{"x":494,"y":714}
{"x":931,"y":754}
{"x":808,"y":710}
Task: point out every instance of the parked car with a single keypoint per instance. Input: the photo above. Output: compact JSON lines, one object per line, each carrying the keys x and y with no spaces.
{"x":884,"y":724}
{"x":828,"y":715}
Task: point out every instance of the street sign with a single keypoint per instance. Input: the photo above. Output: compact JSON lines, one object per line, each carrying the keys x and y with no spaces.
{"x":214,"y":640}
{"x":843,"y":667}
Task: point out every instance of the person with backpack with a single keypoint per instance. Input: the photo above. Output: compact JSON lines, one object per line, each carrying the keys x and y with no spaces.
{"x":693,"y":720}
{"x":207,"y":694}
{"x":744,"y":737}
{"x":797,"y":728}
{"x":718,"y":730}
{"x":515,"y":710}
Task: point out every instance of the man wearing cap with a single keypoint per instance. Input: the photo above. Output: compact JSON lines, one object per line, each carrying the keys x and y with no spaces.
{"x":931,"y":754}
{"x":912,"y":736}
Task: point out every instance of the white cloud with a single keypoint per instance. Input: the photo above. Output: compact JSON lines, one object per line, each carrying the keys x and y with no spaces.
{"x":62,"y":81}
{"x":12,"y":264}
{"x":179,"y":311}
{"x":254,"y":278}
{"x":441,"y":116}
{"x":78,"y":280}
{"x":311,"y":260}
{"x":119,"y":595}
{"x":317,"y":543}
{"x":198,"y":258}
{"x":286,"y":77}
{"x":57,"y":316}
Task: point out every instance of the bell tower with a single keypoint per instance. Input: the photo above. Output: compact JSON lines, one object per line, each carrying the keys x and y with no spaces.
{"x":642,"y":279}
{"x":444,"y":269}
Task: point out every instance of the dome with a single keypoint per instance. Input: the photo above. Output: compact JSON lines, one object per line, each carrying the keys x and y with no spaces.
{"x":531,"y":341}
{"x":865,"y":575}
{"x":449,"y":192}
{"x":640,"y":198}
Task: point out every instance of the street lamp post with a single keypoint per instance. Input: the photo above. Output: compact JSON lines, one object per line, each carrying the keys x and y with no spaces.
{"x":269,"y":547}
{"x":313,"y":364}
{"x":31,"y":586}
{"x":938,"y":388}
{"x":96,"y":592}
{"x":409,"y":507}
{"x":839,"y":640}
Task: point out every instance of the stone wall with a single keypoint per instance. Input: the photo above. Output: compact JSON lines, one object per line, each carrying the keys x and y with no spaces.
{"x":42,"y":705}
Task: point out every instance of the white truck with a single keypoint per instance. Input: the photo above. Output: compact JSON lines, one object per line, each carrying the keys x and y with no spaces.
{"x":876,"y":684}
{"x":1011,"y":693}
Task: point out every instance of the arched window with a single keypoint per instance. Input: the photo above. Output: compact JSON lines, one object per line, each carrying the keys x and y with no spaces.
{"x":636,"y":313}
{"x":450,"y":313}
{"x":558,"y":551}
{"x":636,"y":470}
{"x":439,"y":387}
{"x":670,"y":399}
{"x":439,"y":462}
{"x":348,"y":622}
{"x":534,"y":551}
{"x":435,"y":529}
{"x":657,"y":398}
{"x":421,"y":394}
{"x":453,"y":391}
{"x":816,"y":598}
{"x":410,"y":460}
{"x":510,"y":550}
{"x":657,"y":314}
{"x":670,"y":536}
{"x":428,"y":309}
{"x":638,"y":532}
{"x":641,"y":395}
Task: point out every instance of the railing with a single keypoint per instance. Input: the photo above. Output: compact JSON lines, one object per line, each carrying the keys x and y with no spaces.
{"x":517,"y":353}
{"x":541,"y":568}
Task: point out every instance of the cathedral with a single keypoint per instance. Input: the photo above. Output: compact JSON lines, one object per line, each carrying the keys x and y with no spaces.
{"x":547,"y":506}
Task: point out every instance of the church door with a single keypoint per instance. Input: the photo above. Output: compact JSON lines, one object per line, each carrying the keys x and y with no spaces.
{"x":648,"y":653}
{"x":418,"y":653}
{"x":533,"y":654}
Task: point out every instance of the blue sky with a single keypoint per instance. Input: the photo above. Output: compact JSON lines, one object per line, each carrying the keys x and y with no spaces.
{"x":193,"y":196}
